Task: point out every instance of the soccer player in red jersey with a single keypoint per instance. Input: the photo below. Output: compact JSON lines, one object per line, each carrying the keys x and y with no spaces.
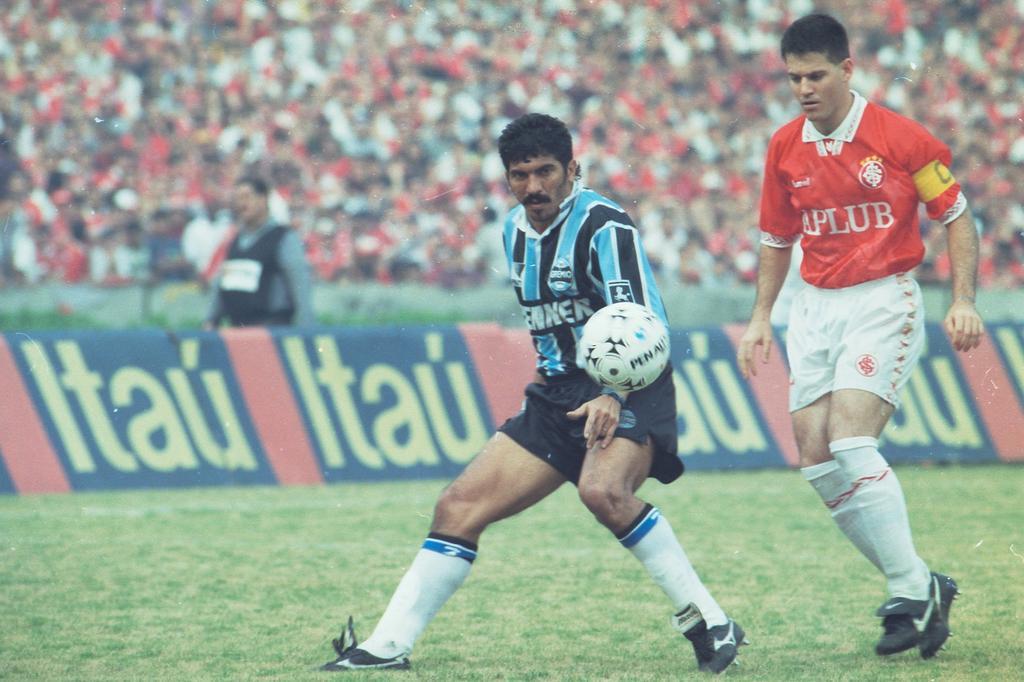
{"x":846,"y":178}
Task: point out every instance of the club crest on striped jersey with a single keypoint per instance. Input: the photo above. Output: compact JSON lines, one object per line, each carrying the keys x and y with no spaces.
{"x":872,"y":172}
{"x":560,"y":277}
{"x":621,"y":291}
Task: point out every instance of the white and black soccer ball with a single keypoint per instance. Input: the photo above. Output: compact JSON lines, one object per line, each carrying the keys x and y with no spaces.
{"x":624,"y":346}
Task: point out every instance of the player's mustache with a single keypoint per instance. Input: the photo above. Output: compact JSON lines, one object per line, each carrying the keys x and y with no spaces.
{"x":536,"y":199}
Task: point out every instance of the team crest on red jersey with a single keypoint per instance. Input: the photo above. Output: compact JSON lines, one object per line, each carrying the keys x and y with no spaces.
{"x":867,"y":365}
{"x":872,"y":172}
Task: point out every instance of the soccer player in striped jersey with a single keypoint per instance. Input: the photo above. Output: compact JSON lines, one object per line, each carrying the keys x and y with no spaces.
{"x":570,"y":252}
{"x":847,"y":177}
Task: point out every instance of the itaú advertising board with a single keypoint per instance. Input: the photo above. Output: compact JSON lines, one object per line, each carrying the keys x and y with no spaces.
{"x":132,"y":409}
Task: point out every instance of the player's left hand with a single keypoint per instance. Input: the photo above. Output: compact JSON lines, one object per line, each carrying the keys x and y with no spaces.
{"x":602,"y":414}
{"x":964,"y":325}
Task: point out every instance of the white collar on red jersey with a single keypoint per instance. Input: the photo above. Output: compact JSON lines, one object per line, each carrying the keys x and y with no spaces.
{"x":846,"y":130}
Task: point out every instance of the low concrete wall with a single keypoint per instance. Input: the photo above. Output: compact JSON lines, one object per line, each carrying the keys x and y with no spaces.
{"x":182,"y":305}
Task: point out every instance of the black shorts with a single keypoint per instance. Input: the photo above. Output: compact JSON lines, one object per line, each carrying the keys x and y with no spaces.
{"x":542,"y":427}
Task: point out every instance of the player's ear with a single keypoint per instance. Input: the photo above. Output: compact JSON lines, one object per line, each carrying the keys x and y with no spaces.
{"x":847,"y":66}
{"x":573,"y":169}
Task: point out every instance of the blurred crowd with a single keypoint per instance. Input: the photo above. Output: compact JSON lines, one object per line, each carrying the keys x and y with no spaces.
{"x":124,"y":125}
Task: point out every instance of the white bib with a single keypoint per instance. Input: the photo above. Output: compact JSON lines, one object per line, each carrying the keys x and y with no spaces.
{"x":241,"y":274}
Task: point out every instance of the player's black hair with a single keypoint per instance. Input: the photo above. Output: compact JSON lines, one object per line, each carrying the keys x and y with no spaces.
{"x":816,"y":33}
{"x":258,"y":184}
{"x":533,"y":135}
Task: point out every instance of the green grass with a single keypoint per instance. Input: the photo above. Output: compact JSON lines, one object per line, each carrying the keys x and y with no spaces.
{"x":251,"y":583}
{"x":46,"y":320}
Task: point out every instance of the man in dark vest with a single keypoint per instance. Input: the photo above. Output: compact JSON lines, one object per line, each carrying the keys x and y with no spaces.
{"x":265,"y":278}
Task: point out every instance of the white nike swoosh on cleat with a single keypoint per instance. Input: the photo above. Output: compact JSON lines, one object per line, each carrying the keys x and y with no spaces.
{"x":935,"y":596}
{"x":730,"y":638}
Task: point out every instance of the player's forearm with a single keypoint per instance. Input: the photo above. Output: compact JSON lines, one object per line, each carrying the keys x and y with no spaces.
{"x":962,"y":242}
{"x":299,"y":276}
{"x":301,"y":283}
{"x":771,"y":273}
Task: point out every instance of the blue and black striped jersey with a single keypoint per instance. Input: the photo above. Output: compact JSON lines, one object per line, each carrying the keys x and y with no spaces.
{"x":590,"y":256}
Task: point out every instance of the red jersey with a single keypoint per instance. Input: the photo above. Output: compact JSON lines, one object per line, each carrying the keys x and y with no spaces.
{"x":853,"y":194}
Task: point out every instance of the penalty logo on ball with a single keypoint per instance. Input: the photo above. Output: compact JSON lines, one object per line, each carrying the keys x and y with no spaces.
{"x":624,"y":346}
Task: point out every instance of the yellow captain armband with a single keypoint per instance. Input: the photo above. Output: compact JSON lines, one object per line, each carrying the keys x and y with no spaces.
{"x":933,"y":180}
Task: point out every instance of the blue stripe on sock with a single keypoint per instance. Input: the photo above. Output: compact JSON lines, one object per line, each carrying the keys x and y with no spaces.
{"x":449,"y":549}
{"x":641,"y":529}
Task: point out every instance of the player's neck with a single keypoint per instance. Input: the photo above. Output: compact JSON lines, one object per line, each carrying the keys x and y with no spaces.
{"x":828,"y":127}
{"x":540,"y":227}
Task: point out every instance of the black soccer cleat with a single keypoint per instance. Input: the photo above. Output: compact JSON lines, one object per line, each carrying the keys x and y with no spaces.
{"x":917,"y":622}
{"x":351,"y":657}
{"x":899,"y":633}
{"x":716,"y":647}
{"x":935,"y":630}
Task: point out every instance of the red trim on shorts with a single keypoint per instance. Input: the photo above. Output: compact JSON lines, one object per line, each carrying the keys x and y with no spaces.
{"x":772,"y":381}
{"x":31,"y":461}
{"x":505,"y":362}
{"x":896,"y":379}
{"x":272,"y":405}
{"x":998,"y":405}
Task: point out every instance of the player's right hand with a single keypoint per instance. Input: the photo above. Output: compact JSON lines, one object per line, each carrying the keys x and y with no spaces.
{"x":758,"y":333}
{"x":602,"y":415}
{"x":964,"y":325}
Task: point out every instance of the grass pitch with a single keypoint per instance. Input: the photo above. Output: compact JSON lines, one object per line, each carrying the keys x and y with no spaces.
{"x":252,"y":583}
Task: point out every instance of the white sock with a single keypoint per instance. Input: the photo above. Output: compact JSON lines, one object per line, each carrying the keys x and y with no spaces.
{"x":836,"y":491}
{"x":438,"y":570}
{"x":652,"y":541}
{"x":882,"y":509}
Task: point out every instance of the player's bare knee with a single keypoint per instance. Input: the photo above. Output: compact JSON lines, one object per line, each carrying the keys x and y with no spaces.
{"x":811,"y":434}
{"x":458,"y":514}
{"x":608,"y":503}
{"x":813,"y":453}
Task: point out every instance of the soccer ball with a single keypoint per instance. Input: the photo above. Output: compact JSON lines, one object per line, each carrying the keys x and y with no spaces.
{"x":624,"y":346}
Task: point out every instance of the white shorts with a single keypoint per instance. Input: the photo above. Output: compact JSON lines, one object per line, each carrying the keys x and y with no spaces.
{"x":868,"y":336}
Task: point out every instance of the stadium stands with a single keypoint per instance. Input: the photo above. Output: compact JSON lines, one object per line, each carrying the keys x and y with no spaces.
{"x":123,"y":124}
